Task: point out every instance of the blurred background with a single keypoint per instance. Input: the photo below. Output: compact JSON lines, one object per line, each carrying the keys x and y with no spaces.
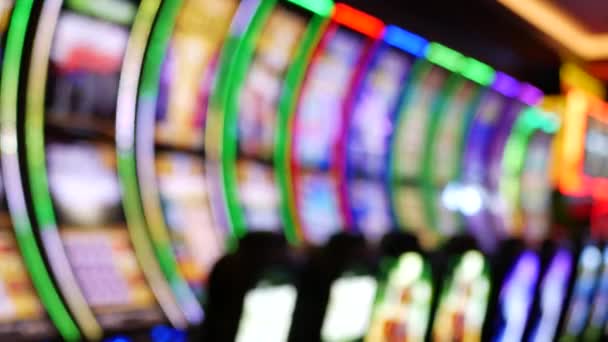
{"x":303,"y":170}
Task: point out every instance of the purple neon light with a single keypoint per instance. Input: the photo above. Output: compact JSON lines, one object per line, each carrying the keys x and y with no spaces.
{"x":506,"y":85}
{"x":530,"y":95}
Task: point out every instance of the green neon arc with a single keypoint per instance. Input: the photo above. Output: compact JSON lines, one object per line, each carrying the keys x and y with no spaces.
{"x":23,"y":229}
{"x":215,"y":115}
{"x":241,"y":62}
{"x":516,"y":149}
{"x":168,"y":291}
{"x":148,"y":93}
{"x":288,"y":102}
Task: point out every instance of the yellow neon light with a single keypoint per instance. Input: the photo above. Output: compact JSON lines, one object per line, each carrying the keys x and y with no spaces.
{"x":561,"y":27}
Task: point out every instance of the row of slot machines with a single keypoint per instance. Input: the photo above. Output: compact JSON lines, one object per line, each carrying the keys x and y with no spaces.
{"x":395,"y":291}
{"x":137,"y":137}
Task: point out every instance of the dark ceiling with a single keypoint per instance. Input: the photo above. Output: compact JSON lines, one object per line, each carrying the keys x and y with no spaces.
{"x":482,"y":29}
{"x":591,"y":14}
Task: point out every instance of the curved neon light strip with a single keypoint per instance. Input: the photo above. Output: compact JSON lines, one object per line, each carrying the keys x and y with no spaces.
{"x":11,"y":173}
{"x":125,"y":130}
{"x":41,"y":198}
{"x":138,"y":160}
{"x":373,"y":29}
{"x":530,"y":121}
{"x":404,"y":40}
{"x":357,"y":81}
{"x":287,"y":106}
{"x":241,"y":62}
{"x":294,"y":168}
{"x":215,"y":113}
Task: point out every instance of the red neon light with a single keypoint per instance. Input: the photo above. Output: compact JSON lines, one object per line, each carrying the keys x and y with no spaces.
{"x":358,"y":21}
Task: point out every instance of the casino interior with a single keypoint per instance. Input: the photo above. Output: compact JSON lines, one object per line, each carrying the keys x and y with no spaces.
{"x":303,"y":170}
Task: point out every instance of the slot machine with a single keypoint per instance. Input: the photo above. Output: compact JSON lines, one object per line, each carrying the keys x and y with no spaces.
{"x":494,"y":103}
{"x":528,"y":96}
{"x":525,"y":184}
{"x":258,"y":93}
{"x":515,"y":298}
{"x":164,"y":143}
{"x":404,"y":297}
{"x":368,"y":130}
{"x":78,"y":92}
{"x":26,"y":311}
{"x":583,"y":173}
{"x":339,"y":62}
{"x":266,"y":64}
{"x":526,"y":190}
{"x":336,"y":291}
{"x":464,"y":294}
{"x":445,"y":142}
{"x":546,"y":316}
{"x":430,"y":80}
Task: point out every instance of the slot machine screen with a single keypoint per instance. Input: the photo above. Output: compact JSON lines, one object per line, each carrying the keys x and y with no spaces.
{"x":516,"y":297}
{"x":267,"y":313}
{"x":200,"y":28}
{"x":257,"y":116}
{"x":595,"y":164}
{"x":370,"y":207}
{"x":368,"y":141}
{"x":450,"y":134}
{"x":22,"y":315}
{"x":320,"y":111}
{"x":485,"y":120}
{"x":554,"y":289}
{"x":402,"y":310}
{"x":349,"y":308}
{"x":176,"y":185}
{"x":371,"y":123}
{"x":536,"y":186}
{"x":463,"y":300}
{"x":316,"y":129}
{"x":414,"y":121}
{"x":446,"y":154}
{"x":185,"y":203}
{"x":85,"y":63}
{"x":599,"y":311}
{"x":579,"y":309}
{"x":320,"y":206}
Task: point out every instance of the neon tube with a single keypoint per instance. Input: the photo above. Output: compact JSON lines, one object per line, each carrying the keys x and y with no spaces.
{"x":358,"y":21}
{"x":125,"y":130}
{"x":241,"y":62}
{"x":349,"y":106}
{"x":287,"y":106}
{"x":404,"y":40}
{"x":34,"y":126}
{"x":376,"y":103}
{"x":11,"y":173}
{"x":215,"y":115}
{"x":529,"y":122}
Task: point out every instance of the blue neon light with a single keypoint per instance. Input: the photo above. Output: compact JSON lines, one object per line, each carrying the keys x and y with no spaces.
{"x":405,"y":40}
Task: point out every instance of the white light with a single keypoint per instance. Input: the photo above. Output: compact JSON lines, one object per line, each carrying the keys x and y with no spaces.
{"x":591,"y":257}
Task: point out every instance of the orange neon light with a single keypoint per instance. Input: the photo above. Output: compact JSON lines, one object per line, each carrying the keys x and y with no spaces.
{"x":358,"y":21}
{"x":561,"y":27}
{"x":579,"y":107}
